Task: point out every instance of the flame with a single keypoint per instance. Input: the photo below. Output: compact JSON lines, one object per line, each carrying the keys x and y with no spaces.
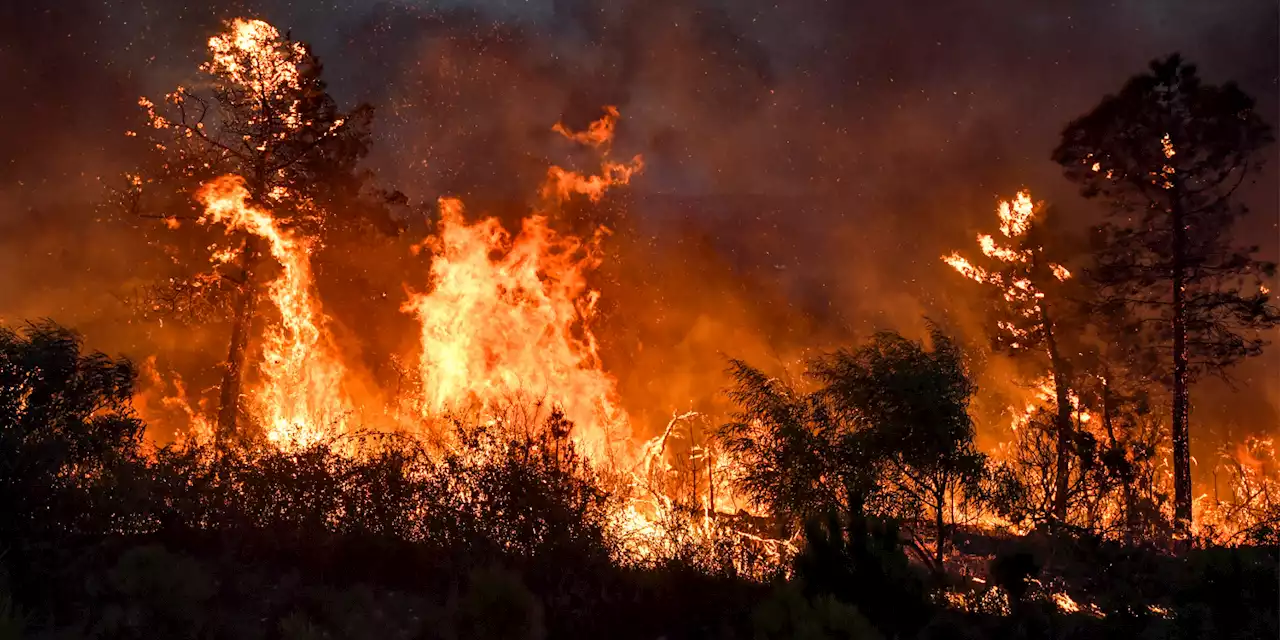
{"x":1016,"y":217}
{"x":510,"y":318}
{"x":562,"y":184}
{"x":300,"y":398}
{"x":1043,"y":394}
{"x":514,"y":326}
{"x":1165,"y":177}
{"x":1065,"y":603}
{"x":598,"y":133}
{"x":252,"y":54}
{"x":155,"y":404}
{"x":966,"y":268}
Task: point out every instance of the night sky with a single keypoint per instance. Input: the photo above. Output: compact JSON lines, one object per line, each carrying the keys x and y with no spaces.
{"x":839,"y":146}
{"x":847,"y":98}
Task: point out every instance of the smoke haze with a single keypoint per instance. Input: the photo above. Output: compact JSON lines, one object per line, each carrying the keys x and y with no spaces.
{"x":806,"y":163}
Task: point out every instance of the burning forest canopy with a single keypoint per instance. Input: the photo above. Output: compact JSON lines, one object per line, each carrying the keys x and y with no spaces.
{"x":600,"y":217}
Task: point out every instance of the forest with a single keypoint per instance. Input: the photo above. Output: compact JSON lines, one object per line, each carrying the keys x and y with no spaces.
{"x":431,"y":437}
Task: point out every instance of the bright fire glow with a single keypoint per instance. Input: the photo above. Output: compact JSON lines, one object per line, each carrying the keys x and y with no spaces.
{"x":1014,"y":262}
{"x":515,"y":326}
{"x":299,"y":399}
{"x":510,"y":318}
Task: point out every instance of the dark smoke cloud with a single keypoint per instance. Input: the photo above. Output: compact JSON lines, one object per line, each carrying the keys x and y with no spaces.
{"x":806,"y":161}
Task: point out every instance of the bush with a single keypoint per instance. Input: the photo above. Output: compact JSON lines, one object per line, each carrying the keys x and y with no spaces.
{"x":860,"y":561}
{"x":155,"y":593}
{"x":67,"y":431}
{"x":789,"y":615}
{"x":494,"y":606}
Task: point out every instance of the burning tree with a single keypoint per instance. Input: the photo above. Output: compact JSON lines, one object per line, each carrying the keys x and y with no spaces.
{"x":301,"y":398}
{"x":1020,"y":268}
{"x":262,"y":113}
{"x":1167,"y":154}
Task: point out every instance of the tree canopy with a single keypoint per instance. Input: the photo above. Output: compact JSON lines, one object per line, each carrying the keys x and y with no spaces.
{"x":1166,"y":155}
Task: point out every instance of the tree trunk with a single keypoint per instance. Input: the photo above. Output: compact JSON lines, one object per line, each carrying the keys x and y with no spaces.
{"x":242,"y":322}
{"x":241,"y":326}
{"x":1062,"y":472}
{"x":941,"y":527}
{"x":1181,"y":397}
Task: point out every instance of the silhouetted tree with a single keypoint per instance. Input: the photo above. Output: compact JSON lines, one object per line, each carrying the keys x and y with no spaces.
{"x":914,"y":402}
{"x":66,"y":431}
{"x":797,"y":456}
{"x":1166,"y":154}
{"x":263,"y":113}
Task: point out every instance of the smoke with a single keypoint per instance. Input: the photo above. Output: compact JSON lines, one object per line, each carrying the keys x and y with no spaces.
{"x":806,"y":162}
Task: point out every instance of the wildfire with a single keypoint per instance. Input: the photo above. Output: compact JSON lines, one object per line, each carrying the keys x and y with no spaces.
{"x":154,"y":404}
{"x":510,"y":318}
{"x":1042,"y":394}
{"x":507,"y":319}
{"x":1016,"y":263}
{"x":1249,"y":472}
{"x":516,"y":327}
{"x":300,"y":397}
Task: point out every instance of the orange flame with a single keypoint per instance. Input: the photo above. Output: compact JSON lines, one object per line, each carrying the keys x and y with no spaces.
{"x":598,"y":133}
{"x":300,"y":398}
{"x":156,"y":405}
{"x":509,"y":318}
{"x":515,"y":326}
{"x":1016,"y":217}
{"x":562,"y":184}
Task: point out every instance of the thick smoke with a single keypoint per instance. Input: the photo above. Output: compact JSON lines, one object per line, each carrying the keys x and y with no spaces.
{"x":806,"y":162}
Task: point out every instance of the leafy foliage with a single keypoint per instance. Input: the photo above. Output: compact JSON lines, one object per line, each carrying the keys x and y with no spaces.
{"x":67,"y":430}
{"x":888,"y":427}
{"x":789,"y":615}
{"x":798,"y":457}
{"x":860,"y":561}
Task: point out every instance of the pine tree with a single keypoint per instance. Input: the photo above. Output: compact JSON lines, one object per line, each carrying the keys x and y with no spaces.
{"x":1166,"y":155}
{"x":263,"y":113}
